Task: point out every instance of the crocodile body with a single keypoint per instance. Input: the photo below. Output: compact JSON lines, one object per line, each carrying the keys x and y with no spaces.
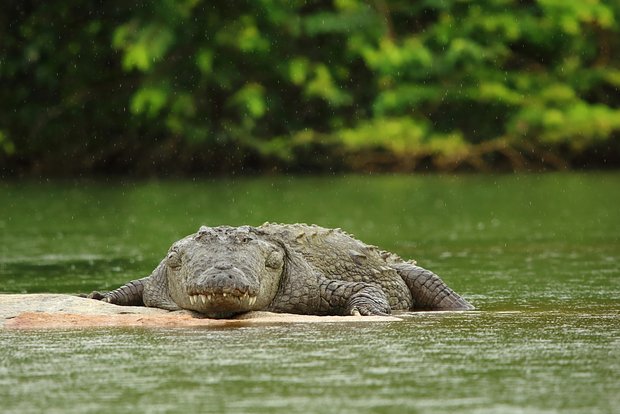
{"x":296,"y":268}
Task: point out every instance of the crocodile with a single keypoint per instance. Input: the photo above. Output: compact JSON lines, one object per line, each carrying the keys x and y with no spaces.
{"x":292,"y":268}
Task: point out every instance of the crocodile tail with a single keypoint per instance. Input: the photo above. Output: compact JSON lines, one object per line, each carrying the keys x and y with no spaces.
{"x":429,"y":292}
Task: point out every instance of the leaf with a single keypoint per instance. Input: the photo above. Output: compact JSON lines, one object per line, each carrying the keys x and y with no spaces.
{"x":143,"y":46}
{"x":298,"y":70}
{"x":7,"y":146}
{"x":251,"y":99}
{"x":149,"y":101}
{"x":322,"y":85}
{"x":204,"y":60}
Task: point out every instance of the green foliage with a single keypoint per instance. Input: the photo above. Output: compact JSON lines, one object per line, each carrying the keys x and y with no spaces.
{"x":143,"y":46}
{"x":6,"y":145}
{"x":149,"y":100}
{"x":214,"y":86}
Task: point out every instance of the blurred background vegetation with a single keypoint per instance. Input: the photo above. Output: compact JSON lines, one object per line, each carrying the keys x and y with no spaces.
{"x":190,"y":86}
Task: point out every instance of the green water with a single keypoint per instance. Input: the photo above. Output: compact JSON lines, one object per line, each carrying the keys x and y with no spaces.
{"x":537,"y":254}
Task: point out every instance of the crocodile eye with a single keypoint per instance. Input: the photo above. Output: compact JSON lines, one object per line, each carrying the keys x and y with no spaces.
{"x":275,"y":260}
{"x":245,"y":239}
{"x":173,"y":260}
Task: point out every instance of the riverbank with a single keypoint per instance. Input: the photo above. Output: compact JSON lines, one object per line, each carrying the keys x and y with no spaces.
{"x":47,"y":311}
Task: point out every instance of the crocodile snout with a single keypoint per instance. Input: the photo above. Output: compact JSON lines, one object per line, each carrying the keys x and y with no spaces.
{"x":224,"y":278}
{"x":221,"y":290}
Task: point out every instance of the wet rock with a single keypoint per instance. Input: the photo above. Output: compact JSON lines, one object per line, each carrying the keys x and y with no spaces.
{"x":42,"y":311}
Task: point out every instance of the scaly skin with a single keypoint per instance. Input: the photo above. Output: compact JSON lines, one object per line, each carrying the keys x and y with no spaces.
{"x":296,"y":268}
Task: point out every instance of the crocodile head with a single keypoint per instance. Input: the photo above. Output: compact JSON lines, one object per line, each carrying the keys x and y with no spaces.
{"x":221,"y":271}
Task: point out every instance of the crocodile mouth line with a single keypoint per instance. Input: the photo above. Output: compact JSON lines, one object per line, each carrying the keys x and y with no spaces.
{"x":245,"y":299}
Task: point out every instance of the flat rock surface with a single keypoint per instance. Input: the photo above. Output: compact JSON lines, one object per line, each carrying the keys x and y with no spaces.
{"x":42,"y":311}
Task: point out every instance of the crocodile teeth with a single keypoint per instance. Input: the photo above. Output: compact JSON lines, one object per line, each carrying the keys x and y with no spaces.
{"x":246,"y":298}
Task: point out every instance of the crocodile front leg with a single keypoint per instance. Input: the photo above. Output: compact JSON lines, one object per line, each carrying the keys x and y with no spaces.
{"x":352,"y":298}
{"x":130,"y":294}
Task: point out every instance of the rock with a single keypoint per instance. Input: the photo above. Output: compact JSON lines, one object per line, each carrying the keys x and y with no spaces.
{"x":40,"y":311}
